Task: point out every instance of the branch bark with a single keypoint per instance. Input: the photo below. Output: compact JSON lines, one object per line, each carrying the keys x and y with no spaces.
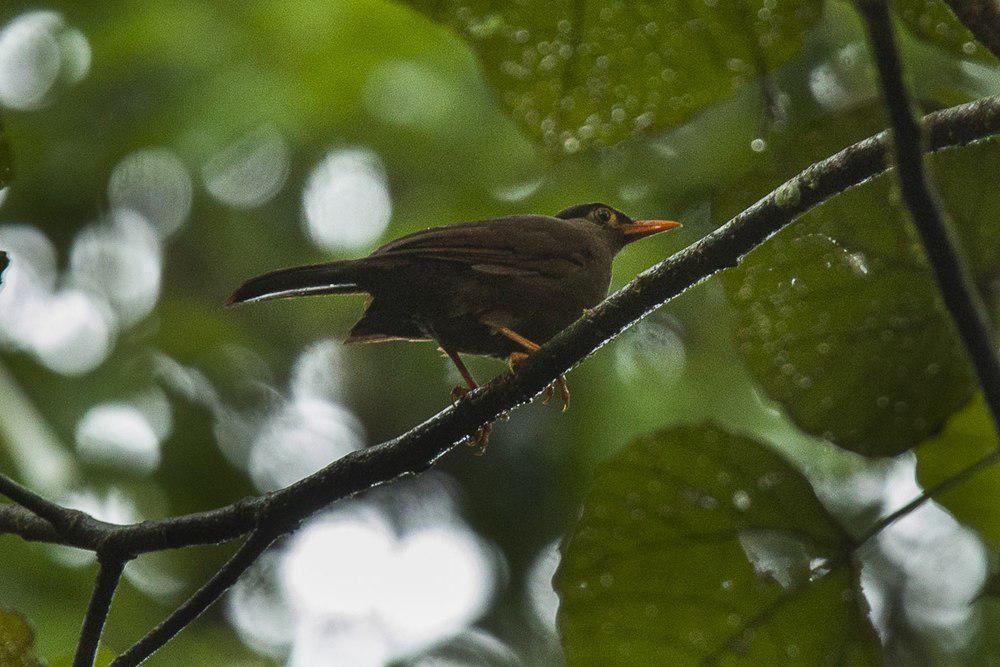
{"x":247,"y":555}
{"x":950,"y":271}
{"x":108,"y":576}
{"x":66,"y":520}
{"x":982,"y":18}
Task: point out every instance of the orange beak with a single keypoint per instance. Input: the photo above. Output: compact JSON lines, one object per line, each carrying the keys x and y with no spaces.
{"x":640,"y":229}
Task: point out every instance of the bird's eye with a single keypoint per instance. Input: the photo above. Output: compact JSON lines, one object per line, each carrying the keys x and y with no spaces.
{"x":604,"y":216}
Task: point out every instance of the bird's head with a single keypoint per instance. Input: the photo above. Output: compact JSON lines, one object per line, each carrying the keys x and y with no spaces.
{"x":619,"y":227}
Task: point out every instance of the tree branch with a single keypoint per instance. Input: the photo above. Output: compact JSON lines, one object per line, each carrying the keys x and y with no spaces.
{"x":247,"y":555}
{"x":419,"y":448}
{"x":272,"y":515}
{"x":45,"y":521}
{"x":958,"y":478}
{"x":15,"y":520}
{"x":982,"y":18}
{"x":108,"y":576}
{"x":953,"y":277}
{"x":56,"y":515}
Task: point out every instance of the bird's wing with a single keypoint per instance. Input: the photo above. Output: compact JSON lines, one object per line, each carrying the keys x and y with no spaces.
{"x":518,"y":245}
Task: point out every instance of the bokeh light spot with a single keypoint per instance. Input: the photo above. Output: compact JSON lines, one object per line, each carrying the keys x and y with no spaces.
{"x":75,"y":332}
{"x":155,"y":184}
{"x":29,"y":59}
{"x":439,"y":581}
{"x":299,"y":439}
{"x":346,"y":201}
{"x":119,"y":261}
{"x":336,"y":564}
{"x":118,"y":435}
{"x":249,"y":172}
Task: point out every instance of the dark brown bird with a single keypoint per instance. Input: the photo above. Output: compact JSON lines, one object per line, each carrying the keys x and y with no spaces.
{"x":497,"y":287}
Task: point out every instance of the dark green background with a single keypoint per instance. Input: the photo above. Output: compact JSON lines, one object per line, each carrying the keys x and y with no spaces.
{"x":193,"y":77}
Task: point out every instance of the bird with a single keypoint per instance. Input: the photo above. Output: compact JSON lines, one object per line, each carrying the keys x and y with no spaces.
{"x":499,"y":287}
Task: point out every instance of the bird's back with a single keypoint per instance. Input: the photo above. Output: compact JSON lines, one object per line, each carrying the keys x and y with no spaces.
{"x":533,"y":274}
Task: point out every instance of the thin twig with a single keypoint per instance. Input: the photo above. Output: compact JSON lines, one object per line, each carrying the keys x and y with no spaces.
{"x":108,"y":576}
{"x":982,"y":18}
{"x":247,"y":555}
{"x":944,"y":485}
{"x":952,"y":275}
{"x":55,"y":514}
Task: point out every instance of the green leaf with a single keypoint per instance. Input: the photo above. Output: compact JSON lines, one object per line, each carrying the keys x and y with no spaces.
{"x":697,"y":544}
{"x":580,"y":72}
{"x":838,"y":315}
{"x":17,"y":641}
{"x":968,"y":437}
{"x":933,"y":22}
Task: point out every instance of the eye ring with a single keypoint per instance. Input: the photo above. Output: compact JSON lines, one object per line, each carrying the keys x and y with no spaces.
{"x":604,"y":215}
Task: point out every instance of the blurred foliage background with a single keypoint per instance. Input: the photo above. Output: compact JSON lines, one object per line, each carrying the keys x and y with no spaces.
{"x":164,"y":151}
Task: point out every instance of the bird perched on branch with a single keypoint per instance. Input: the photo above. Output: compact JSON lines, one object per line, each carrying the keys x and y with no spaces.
{"x":498,"y":287}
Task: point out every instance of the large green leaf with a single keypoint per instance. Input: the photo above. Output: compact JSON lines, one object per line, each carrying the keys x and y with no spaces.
{"x":17,"y":641}
{"x":968,"y":437}
{"x":839,"y":316}
{"x":697,"y":544}
{"x":579,"y":72}
{"x":932,"y":21}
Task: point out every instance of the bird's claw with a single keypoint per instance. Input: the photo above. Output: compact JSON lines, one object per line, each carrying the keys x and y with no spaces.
{"x":481,"y":439}
{"x":458,"y":393}
{"x":550,"y":391}
{"x":517,"y":357}
{"x":514,"y":360}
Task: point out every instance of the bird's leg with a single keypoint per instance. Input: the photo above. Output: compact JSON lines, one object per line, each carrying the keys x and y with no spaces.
{"x":518,"y":338}
{"x":459,"y":391}
{"x":514,"y":360}
{"x":517,"y":357}
{"x":483,"y":434}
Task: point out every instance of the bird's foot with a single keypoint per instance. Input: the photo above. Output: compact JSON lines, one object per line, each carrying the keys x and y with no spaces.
{"x":563,"y":392}
{"x":459,"y":392}
{"x":480,"y":440}
{"x":514,"y":360}
{"x":517,"y":357}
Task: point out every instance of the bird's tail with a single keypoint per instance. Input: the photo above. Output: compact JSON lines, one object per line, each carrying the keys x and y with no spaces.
{"x":315,"y":279}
